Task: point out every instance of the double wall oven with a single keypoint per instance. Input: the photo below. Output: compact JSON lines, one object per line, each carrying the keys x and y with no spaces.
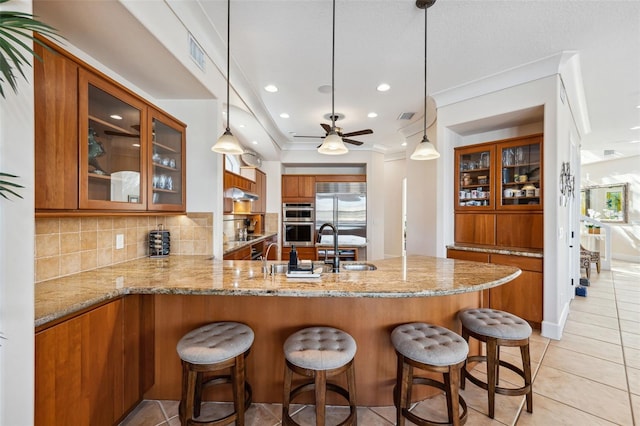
{"x":298,"y":224}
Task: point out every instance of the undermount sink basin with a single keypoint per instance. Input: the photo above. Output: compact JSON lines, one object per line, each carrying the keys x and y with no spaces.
{"x":358,"y":267}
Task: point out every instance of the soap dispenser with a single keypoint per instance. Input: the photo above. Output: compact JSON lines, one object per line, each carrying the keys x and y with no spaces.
{"x":293,"y":259}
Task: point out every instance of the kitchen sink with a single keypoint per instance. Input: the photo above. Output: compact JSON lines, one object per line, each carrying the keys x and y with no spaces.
{"x":358,"y":266}
{"x":283,"y":268}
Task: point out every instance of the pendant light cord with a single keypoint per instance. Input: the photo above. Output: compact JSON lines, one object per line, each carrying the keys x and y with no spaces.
{"x":228,"y":56}
{"x":425,"y":72}
{"x":333,"y":66}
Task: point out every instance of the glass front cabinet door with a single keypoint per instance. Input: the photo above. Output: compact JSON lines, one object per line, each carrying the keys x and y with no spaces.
{"x":520,"y":184}
{"x":474,"y":180}
{"x":167,"y":165}
{"x":112,"y":149}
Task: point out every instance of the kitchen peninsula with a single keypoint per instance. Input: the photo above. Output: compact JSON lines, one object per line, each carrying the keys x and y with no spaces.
{"x":165,"y":298}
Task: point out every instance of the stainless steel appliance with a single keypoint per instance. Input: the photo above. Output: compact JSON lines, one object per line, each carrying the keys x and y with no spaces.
{"x":297,"y":212}
{"x":298,"y":224}
{"x":344,"y":204}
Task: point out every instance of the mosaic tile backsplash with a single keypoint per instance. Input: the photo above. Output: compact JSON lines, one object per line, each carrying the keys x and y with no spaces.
{"x":65,"y":246}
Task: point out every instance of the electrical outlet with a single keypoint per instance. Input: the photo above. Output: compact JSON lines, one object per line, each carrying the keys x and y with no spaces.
{"x":119,"y":241}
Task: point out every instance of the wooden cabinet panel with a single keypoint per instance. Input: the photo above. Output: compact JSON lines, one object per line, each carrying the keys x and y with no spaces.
{"x":520,"y":230}
{"x":304,"y":253}
{"x":56,"y":131}
{"x":298,"y":188}
{"x":93,"y":368}
{"x":473,"y":228}
{"x":522,"y":297}
{"x":525,"y":263}
{"x":468,"y":255}
{"x":243,"y":253}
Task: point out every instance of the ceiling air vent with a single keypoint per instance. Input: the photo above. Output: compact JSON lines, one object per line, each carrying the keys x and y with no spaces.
{"x":608,"y":152}
{"x":196,"y":52}
{"x":406,"y":115}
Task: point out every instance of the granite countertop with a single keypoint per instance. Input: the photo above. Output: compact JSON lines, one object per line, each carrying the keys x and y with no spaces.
{"x":512,"y":251}
{"x":230,"y":246}
{"x":413,"y":276}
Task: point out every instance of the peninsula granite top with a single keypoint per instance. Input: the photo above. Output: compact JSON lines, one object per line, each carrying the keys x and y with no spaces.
{"x":411,"y":276}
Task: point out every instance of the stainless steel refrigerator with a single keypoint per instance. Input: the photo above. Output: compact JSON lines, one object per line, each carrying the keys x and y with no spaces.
{"x":344,"y":204}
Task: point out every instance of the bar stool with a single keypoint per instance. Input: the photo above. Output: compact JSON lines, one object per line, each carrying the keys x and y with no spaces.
{"x":498,"y":328}
{"x":319,"y":353}
{"x":430,"y":348}
{"x":208,"y":349}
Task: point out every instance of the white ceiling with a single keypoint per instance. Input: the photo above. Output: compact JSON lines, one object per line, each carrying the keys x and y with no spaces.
{"x":288,"y":43}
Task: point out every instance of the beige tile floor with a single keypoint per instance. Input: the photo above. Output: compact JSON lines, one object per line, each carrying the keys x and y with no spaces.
{"x":589,"y":377}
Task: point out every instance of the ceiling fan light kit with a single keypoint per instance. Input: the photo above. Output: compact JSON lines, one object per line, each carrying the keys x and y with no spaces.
{"x":425,"y":149}
{"x":227,"y":143}
{"x":333,"y":145}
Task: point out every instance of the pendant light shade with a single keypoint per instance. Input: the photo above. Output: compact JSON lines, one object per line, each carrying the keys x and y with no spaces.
{"x":333,"y":144}
{"x":227,"y":143}
{"x":425,"y":149}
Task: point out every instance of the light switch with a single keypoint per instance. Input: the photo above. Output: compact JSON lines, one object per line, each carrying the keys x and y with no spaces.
{"x":119,"y":241}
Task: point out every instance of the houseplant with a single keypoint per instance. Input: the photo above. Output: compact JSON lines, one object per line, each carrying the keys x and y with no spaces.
{"x":17,"y":35}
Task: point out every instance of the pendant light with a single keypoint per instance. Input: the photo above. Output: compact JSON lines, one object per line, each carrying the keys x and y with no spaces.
{"x":333,"y":144}
{"x":227,"y":143}
{"x":425,"y":149}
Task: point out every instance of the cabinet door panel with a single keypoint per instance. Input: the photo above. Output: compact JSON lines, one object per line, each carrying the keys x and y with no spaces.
{"x":520,"y":230}
{"x":525,"y":263}
{"x":475,"y":229}
{"x":521,"y":297}
{"x":468,"y":255}
{"x":307,"y":187}
{"x":56,"y":131}
{"x":113,"y":154}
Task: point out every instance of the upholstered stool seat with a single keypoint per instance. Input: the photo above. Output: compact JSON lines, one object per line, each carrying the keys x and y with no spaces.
{"x":209,"y":349}
{"x":430,"y":348}
{"x":320,"y":353}
{"x":498,"y":328}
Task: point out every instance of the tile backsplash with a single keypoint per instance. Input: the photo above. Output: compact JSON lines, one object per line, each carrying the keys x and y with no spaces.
{"x":69,"y":245}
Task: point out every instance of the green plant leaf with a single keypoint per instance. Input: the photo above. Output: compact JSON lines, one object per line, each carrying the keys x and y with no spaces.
{"x":5,"y":186}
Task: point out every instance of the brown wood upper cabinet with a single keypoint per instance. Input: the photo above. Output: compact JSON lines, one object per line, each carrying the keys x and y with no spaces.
{"x":298,"y":188}
{"x":101,"y":147}
{"x":259,"y":187}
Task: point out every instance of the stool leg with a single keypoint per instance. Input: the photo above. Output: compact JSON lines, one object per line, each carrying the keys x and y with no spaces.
{"x":321,"y":394}
{"x":497,"y":365}
{"x":182,"y":409}
{"x":465,"y":336}
{"x":403,"y":386}
{"x":451,"y":380}
{"x":192,"y":377}
{"x":237,"y":380}
{"x":526,"y":366}
{"x":197,"y":404}
{"x":288,"y":376}
{"x":492,"y":367}
{"x":351,"y":386}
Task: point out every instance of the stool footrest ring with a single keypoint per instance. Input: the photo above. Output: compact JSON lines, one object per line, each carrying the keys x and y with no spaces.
{"x":523,"y":390}
{"x":331,"y":387}
{"x":422,"y":421}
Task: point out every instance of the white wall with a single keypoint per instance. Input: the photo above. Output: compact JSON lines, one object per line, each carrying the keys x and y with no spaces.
{"x":625,"y":238}
{"x":16,"y":251}
{"x":394,"y":174}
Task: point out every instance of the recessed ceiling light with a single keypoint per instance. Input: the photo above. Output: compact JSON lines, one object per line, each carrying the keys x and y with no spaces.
{"x":270,"y":88}
{"x":372,"y":115}
{"x":634,"y":141}
{"x":254,"y":142}
{"x":635,"y":128}
{"x":403,"y":144}
{"x":284,"y":115}
{"x":116,"y":117}
{"x":383,"y":87}
{"x":241,"y":126}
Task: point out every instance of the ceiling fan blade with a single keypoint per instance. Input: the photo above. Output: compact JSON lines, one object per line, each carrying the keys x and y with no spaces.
{"x":314,"y":137}
{"x":326,"y":127}
{"x":122,"y":134}
{"x":358,"y":133}
{"x":351,"y":141}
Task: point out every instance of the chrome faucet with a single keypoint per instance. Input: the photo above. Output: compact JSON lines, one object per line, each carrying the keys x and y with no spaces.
{"x":336,"y":255}
{"x":265,"y":256}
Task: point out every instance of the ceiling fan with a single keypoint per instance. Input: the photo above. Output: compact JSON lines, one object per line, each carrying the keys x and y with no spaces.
{"x":345,"y":136}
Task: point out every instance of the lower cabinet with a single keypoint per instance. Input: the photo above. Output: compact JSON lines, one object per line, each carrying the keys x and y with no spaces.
{"x":95,"y":367}
{"x":522,"y":296}
{"x":304,"y":253}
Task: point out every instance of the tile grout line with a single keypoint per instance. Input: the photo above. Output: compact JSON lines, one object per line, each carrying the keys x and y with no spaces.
{"x":624,"y":356}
